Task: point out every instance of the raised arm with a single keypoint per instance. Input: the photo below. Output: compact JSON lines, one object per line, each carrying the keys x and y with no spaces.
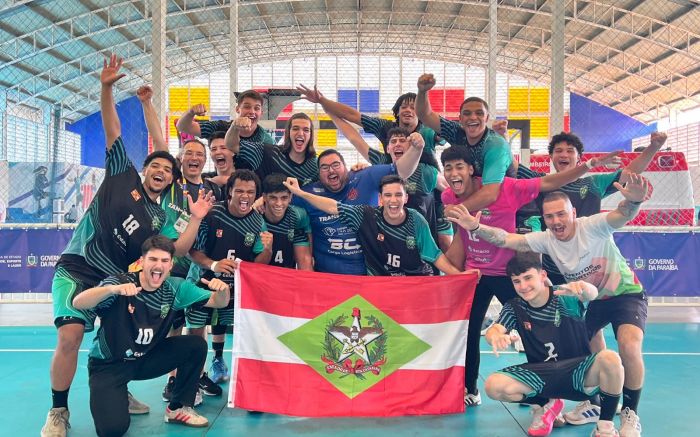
{"x":221,"y":293}
{"x":423,"y":110}
{"x":352,"y":135}
{"x":498,"y":237}
{"x":325,"y":204}
{"x":581,"y":290}
{"x":233,"y":134}
{"x":92,"y":297}
{"x":336,"y":109}
{"x":641,"y":162}
{"x":145,"y":94}
{"x":187,"y":123}
{"x":110,"y":120}
{"x":408,"y":163}
{"x":556,"y":180}
{"x":198,"y":210}
{"x":633,"y":192}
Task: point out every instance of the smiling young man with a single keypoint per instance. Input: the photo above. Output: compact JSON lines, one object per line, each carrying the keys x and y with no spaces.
{"x":123,"y":214}
{"x":583,"y":249}
{"x":136,"y":312}
{"x":551,"y":325}
{"x":296,"y":157}
{"x":231,"y":231}
{"x":395,"y":240}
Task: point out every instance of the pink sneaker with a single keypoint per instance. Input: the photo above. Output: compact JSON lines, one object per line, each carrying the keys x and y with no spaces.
{"x":543,"y":418}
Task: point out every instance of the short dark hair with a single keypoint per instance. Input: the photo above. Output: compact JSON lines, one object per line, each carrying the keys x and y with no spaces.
{"x":474,"y":99}
{"x":567,"y":138}
{"x":216,"y":136}
{"x":397,"y":131}
{"x":160,"y":154}
{"x":455,"y":153}
{"x":330,"y":152}
{"x":273,"y":183}
{"x":555,"y":195}
{"x":522,"y":262}
{"x":391,"y":179}
{"x":160,"y":242}
{"x":244,"y":175}
{"x":249,"y":94}
{"x":310,"y":150}
{"x":408,"y":97}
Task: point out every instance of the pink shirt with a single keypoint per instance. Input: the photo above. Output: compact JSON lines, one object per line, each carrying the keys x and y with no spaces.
{"x":514,"y":193}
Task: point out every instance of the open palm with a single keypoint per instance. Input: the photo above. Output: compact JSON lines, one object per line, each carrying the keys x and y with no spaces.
{"x":110,"y":70}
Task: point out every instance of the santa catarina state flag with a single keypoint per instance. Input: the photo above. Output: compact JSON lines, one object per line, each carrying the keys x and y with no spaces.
{"x":315,"y":344}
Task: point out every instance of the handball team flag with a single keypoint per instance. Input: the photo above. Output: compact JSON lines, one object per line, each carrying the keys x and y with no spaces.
{"x":316,"y":344}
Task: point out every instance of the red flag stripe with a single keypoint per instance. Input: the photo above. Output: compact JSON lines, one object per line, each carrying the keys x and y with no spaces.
{"x":448,"y":300}
{"x":401,"y":393}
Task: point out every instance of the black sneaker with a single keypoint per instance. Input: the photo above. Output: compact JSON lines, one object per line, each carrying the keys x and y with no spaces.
{"x":208,"y":386}
{"x":168,"y":390}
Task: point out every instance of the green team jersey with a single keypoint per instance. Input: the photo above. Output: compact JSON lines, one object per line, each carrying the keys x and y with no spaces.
{"x":119,"y":219}
{"x":392,"y":250}
{"x":131,"y":326}
{"x":260,"y":135}
{"x":380,"y":128}
{"x":293,"y":230}
{"x":265,"y":159}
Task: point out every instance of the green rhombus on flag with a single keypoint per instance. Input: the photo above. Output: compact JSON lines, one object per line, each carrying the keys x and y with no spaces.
{"x":354,"y":345}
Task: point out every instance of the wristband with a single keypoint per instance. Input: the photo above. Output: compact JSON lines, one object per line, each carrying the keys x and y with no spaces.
{"x":631,"y":202}
{"x":478,"y":225}
{"x":589,"y":164}
{"x":212,"y":267}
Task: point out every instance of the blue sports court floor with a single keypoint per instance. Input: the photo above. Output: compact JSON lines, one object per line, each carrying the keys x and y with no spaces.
{"x":668,"y":408}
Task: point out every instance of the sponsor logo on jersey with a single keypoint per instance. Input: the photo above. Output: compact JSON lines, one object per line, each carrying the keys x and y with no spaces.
{"x":528,"y":326}
{"x":353,"y":194}
{"x":249,"y":239}
{"x":135,"y":194}
{"x":380,"y":237}
{"x":219,"y":233}
{"x":131,"y":309}
{"x":329,"y":232}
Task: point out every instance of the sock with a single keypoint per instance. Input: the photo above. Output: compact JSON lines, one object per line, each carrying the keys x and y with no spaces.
{"x":608,"y":405}
{"x":537,"y":400}
{"x":59,"y":398}
{"x":595,"y":400}
{"x":630,"y":398}
{"x":218,"y":349}
{"x":172,"y":406}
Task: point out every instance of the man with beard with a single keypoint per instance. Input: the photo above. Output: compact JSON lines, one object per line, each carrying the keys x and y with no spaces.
{"x":296,"y":157}
{"x":123,"y":214}
{"x":231,"y":231}
{"x":131,"y":342}
{"x":395,"y":240}
{"x":583,"y":249}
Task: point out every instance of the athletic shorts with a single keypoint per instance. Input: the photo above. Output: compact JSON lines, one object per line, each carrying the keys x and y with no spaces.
{"x":64,"y":288}
{"x":562,"y":379}
{"x":619,"y":310}
{"x":203,"y":316}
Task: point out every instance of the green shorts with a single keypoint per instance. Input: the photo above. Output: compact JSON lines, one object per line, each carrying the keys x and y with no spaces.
{"x":64,"y":288}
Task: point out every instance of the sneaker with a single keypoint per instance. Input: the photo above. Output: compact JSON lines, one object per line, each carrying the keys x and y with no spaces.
{"x":518,"y":343}
{"x":56,"y":423}
{"x":218,"y":370}
{"x":208,"y":387}
{"x":185,"y":416}
{"x":198,"y":398}
{"x":543,"y":418}
{"x":136,"y":406}
{"x":585,"y":412}
{"x":559,"y":421}
{"x":168,"y":389}
{"x":471,"y":399}
{"x":605,"y":428}
{"x":629,"y":424}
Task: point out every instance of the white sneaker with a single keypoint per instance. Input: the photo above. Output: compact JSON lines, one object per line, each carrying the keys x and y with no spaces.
{"x":605,"y":428}
{"x":472,"y":400}
{"x":185,"y":416}
{"x":56,"y":423}
{"x":136,"y":406}
{"x":629,"y":424}
{"x":585,"y":412}
{"x":198,"y":399}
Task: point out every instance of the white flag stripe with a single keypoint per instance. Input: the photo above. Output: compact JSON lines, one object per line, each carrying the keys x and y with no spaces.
{"x":263,"y":344}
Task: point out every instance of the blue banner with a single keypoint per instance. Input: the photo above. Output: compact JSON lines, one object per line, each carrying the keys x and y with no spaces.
{"x":28,"y":258}
{"x":665,"y":263}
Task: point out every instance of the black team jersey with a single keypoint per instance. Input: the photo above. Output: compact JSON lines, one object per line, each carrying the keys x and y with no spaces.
{"x":292,"y":230}
{"x":208,"y":128}
{"x":265,"y":159}
{"x":392,"y":250}
{"x":223,"y":236}
{"x":133,"y":325}
{"x":119,"y":219}
{"x":553,"y":332}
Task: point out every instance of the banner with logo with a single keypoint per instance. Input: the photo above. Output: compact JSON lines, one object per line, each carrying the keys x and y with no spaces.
{"x":316,"y":344}
{"x":665,"y":263}
{"x":28,"y":258}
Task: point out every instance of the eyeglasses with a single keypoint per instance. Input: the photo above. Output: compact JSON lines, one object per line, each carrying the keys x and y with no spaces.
{"x":333,"y":165}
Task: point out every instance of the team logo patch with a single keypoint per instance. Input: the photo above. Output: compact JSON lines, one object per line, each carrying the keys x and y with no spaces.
{"x":219,"y":233}
{"x":583,"y":192}
{"x":31,"y":261}
{"x":352,"y":194}
{"x":164,"y":310}
{"x":528,"y":326}
{"x":411,"y":187}
{"x":485,"y":212}
{"x":131,"y":309}
{"x":249,"y":239}
{"x":411,"y":242}
{"x":557,"y":318}
{"x":290,"y":235}
{"x":380,"y":237}
{"x":155,"y":223}
{"x":135,"y":194}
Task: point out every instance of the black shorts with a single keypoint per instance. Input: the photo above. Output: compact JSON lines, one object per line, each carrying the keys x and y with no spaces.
{"x":630,"y":309}
{"x":562,"y":379}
